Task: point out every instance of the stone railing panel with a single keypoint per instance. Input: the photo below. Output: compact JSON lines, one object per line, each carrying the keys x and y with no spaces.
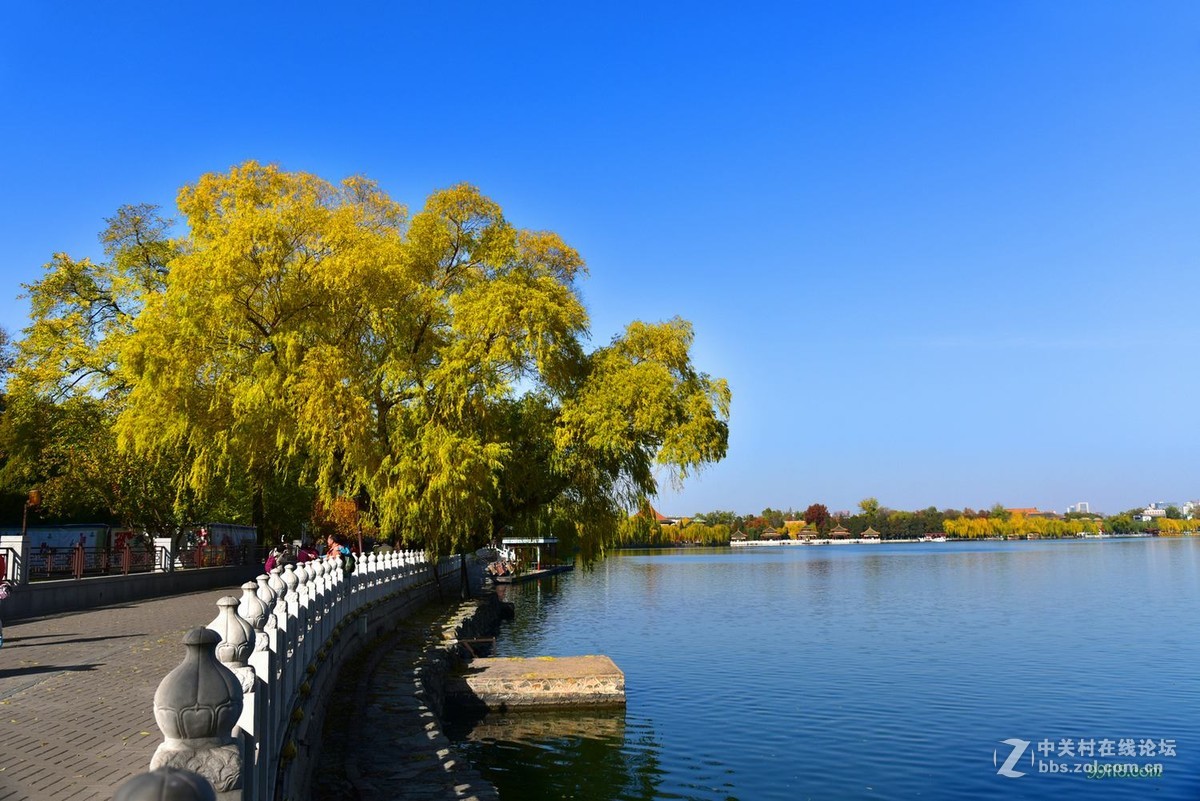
{"x":235,"y":709}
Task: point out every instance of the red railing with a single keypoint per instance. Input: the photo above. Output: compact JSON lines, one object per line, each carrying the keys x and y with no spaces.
{"x":215,"y":556}
{"x":77,"y":562}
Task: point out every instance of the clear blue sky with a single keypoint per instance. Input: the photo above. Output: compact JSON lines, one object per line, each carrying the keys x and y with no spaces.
{"x":945,"y":252}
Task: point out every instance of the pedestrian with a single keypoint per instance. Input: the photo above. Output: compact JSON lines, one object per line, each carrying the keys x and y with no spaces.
{"x":307,"y":552}
{"x":339,"y":549}
{"x":272,"y":559}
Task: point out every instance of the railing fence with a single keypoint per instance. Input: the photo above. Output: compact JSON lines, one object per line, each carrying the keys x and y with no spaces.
{"x":235,"y":709}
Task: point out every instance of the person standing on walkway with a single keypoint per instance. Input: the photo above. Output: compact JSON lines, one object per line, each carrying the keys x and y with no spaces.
{"x":339,"y":548}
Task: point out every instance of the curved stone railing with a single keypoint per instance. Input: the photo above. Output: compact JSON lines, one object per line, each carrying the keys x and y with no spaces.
{"x":236,"y":710}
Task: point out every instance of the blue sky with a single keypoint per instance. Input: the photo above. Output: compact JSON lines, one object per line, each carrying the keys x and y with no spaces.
{"x":945,"y":253}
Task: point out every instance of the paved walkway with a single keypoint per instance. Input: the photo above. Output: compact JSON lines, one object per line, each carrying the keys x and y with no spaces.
{"x":77,"y":694}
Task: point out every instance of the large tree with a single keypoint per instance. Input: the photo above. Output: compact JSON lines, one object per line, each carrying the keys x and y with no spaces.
{"x":432,"y":367}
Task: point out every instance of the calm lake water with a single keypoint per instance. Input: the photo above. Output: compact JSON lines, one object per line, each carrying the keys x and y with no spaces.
{"x":865,"y":671}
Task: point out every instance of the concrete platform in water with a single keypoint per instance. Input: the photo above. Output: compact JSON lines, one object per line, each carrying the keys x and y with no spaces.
{"x":498,"y":684}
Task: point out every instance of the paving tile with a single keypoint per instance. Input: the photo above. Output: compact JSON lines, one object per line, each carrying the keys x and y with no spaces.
{"x":77,"y":695}
{"x":77,"y":690}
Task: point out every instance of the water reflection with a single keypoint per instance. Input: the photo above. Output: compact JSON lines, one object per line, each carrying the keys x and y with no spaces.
{"x":538,"y":599}
{"x":590,"y":756}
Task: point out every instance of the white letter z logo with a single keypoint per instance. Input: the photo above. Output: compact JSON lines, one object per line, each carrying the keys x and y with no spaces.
{"x":1018,"y":750}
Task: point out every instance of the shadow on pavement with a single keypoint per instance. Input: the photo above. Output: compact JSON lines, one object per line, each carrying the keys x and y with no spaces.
{"x":64,"y":639}
{"x":7,"y":674}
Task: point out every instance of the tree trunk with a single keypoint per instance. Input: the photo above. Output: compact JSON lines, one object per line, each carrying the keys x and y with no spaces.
{"x":258,"y":513}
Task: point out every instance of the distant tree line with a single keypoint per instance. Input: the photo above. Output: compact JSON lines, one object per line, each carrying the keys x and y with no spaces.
{"x":719,"y":527}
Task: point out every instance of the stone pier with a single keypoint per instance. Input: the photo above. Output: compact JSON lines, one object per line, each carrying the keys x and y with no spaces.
{"x":498,"y":685}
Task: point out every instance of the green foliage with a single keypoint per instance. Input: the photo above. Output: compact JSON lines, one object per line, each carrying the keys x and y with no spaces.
{"x":67,"y":450}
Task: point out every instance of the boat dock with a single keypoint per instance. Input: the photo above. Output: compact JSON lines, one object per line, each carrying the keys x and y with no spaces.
{"x":530,"y":575}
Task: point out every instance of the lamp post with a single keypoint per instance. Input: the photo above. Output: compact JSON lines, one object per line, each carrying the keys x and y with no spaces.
{"x":21,"y":547}
{"x":34,"y":499}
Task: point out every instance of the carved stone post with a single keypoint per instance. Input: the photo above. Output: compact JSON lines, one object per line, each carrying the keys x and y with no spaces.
{"x":238,"y":640}
{"x":237,"y":637}
{"x":276,"y":583}
{"x":166,"y":784}
{"x":196,"y":706}
{"x":371,"y":575}
{"x":256,"y":720}
{"x":265,"y":593}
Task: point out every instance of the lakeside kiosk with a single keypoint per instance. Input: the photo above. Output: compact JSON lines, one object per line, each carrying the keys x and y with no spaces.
{"x":537,"y":557}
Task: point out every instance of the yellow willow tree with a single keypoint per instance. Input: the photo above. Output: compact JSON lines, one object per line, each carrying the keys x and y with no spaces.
{"x":639,"y":407}
{"x":66,"y":388}
{"x":431,"y":366}
{"x":268,"y":291}
{"x":82,"y":312}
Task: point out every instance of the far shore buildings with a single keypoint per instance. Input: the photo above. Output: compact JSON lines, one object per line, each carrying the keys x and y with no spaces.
{"x":662,"y":519}
{"x":1158,"y":509}
{"x":1033,"y":511}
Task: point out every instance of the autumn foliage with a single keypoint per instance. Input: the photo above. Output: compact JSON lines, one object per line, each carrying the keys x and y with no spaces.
{"x":294,"y":341}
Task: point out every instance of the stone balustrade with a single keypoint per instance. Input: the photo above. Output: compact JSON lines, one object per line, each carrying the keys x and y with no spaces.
{"x":255,"y":682}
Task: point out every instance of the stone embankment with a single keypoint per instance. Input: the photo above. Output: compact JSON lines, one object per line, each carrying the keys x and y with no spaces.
{"x":383,"y":739}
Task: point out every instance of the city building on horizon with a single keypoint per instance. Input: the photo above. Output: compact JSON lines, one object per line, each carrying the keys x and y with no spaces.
{"x":1082,"y":507}
{"x":1156,"y":510}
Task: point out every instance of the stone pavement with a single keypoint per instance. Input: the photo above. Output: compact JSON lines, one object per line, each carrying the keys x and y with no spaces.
{"x":77,"y":694}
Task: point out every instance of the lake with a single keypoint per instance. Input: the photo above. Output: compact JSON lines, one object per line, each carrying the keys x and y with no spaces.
{"x":866,"y":672}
